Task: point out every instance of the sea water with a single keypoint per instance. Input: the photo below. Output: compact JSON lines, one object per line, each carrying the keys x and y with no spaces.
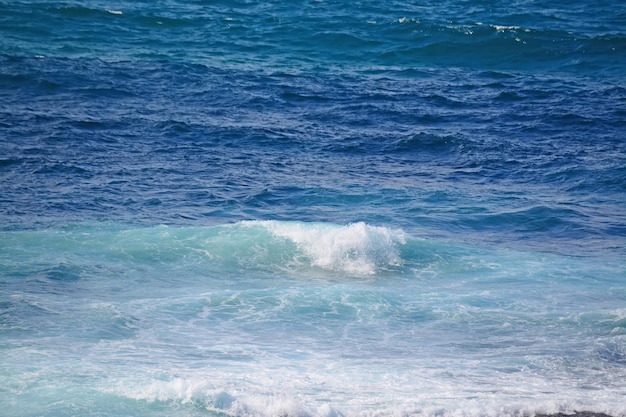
{"x":312,"y":208}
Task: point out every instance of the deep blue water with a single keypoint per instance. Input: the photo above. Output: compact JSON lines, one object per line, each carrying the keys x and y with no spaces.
{"x":314,"y":208}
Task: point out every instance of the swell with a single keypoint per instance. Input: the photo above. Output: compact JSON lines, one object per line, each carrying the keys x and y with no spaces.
{"x":357,"y":249}
{"x":309,"y":249}
{"x":498,"y":46}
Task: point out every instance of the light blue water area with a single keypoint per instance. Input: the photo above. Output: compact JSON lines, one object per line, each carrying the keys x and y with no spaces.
{"x":253,"y":209}
{"x":260,"y":318}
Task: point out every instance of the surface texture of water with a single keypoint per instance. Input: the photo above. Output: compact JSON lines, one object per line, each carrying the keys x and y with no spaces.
{"x":313,"y":208}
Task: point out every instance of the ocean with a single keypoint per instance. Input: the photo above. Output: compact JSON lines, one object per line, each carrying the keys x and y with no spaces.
{"x":312,"y":208}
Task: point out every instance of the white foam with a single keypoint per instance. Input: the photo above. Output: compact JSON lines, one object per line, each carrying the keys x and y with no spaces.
{"x":253,"y":399}
{"x":357,"y":248}
{"x":502,"y":28}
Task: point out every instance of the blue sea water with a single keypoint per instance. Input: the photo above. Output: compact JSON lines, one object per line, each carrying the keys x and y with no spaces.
{"x":312,"y":208}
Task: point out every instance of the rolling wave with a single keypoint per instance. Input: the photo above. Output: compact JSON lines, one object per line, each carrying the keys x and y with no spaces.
{"x":358,"y":248}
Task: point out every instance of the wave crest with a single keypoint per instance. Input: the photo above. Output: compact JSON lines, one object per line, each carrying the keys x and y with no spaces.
{"x":356,"y":248}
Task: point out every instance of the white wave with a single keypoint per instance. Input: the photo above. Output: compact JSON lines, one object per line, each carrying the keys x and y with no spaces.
{"x":254,"y":400}
{"x":504,"y":28}
{"x":357,"y":248}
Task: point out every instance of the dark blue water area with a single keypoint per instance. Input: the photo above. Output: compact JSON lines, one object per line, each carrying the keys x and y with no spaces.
{"x":497,"y":156}
{"x":500,"y":123}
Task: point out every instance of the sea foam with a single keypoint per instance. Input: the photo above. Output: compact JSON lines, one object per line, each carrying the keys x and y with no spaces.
{"x":357,"y":248}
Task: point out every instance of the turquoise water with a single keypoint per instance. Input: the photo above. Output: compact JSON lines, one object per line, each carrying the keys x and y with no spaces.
{"x":231,"y":208}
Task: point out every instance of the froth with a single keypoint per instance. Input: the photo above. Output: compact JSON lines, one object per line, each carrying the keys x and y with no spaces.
{"x":250,"y":401}
{"x":357,"y":248}
{"x":201,"y":393}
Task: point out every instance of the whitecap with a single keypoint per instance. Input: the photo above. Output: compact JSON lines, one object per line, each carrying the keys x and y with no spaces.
{"x":356,"y":248}
{"x":501,"y":28}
